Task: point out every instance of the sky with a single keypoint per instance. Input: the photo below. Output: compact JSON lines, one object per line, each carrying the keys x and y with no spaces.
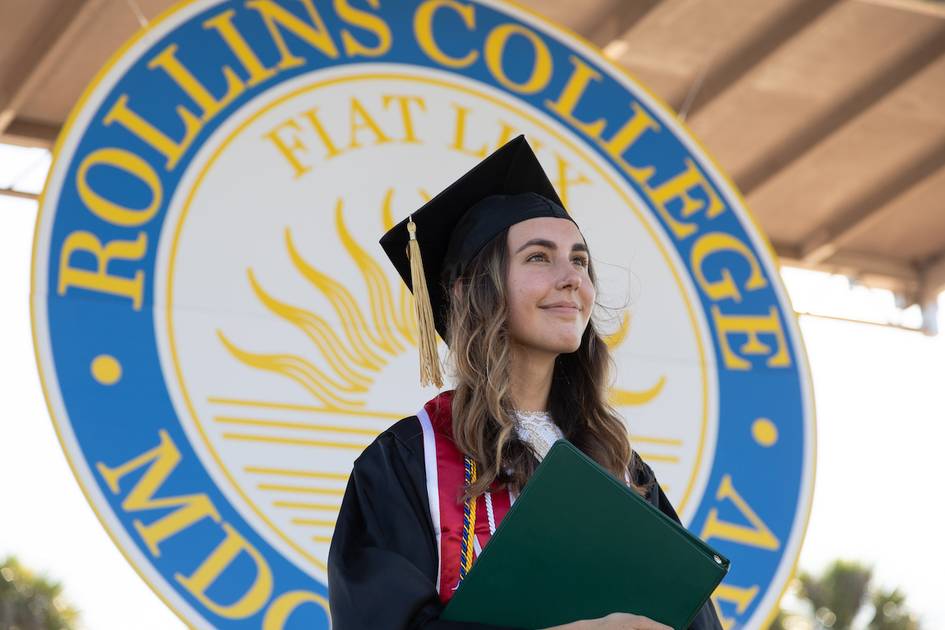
{"x":880,"y":426}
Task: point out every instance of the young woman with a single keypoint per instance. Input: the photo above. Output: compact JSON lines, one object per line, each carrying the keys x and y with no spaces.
{"x":511,"y":289}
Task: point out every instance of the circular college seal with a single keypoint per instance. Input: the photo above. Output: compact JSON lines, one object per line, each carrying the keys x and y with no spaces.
{"x":219,"y":337}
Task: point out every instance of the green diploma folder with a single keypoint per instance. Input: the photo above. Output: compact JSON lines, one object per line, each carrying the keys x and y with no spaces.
{"x":578,"y":544}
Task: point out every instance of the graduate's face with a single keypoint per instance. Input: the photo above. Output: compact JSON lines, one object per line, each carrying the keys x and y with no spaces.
{"x":550,"y":292}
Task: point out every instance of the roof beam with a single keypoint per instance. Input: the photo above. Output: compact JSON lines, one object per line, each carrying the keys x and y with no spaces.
{"x":877,"y":271}
{"x":933,"y":283}
{"x":19,"y":194}
{"x":932,"y":275}
{"x":924,"y":7}
{"x":786,"y":253}
{"x":868,"y":269}
{"x":740,"y":60}
{"x":30,"y":133}
{"x":882,"y":83}
{"x":864,"y":210}
{"x":614,"y":22}
{"x":912,"y":284}
{"x":68,"y":19}
{"x":857,"y":320}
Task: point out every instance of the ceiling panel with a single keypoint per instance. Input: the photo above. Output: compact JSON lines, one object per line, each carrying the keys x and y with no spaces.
{"x":110,"y":27}
{"x":679,"y":38}
{"x":21,"y":23}
{"x":912,"y":228}
{"x":846,"y":165}
{"x":833,"y":99}
{"x":835,"y":54}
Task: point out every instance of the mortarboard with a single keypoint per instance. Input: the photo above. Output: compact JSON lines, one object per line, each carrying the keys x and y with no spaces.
{"x":506,"y":188}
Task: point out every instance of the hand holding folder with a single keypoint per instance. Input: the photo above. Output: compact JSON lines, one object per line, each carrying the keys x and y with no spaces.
{"x":578,"y":544}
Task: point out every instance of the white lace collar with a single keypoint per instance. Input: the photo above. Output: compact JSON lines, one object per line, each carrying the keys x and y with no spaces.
{"x":538,"y":430}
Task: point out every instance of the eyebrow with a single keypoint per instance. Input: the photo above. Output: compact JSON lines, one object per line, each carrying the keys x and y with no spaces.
{"x":577,"y":247}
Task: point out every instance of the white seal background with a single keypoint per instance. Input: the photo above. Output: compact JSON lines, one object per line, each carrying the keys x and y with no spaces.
{"x":231,"y":216}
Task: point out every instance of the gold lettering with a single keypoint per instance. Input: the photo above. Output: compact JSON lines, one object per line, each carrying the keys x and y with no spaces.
{"x":563,"y":183}
{"x":172,"y":150}
{"x":724,"y":288}
{"x":741,"y":597}
{"x":368,"y":22}
{"x":312,"y":116}
{"x":678,"y":188}
{"x":459,"y":138}
{"x":758,"y":535}
{"x":571,"y":95}
{"x":508,"y":131}
{"x":108,"y":210}
{"x":161,"y":462}
{"x":210,"y":105}
{"x":631,"y":131}
{"x":361,"y":120}
{"x":405,"y":113}
{"x":223,"y":24}
{"x":289,"y":151}
{"x":314,"y":34}
{"x":752,"y":326}
{"x":283,"y":606}
{"x":423,"y":30}
{"x":99,"y":280}
{"x":210,"y":570}
{"x":495,"y":52}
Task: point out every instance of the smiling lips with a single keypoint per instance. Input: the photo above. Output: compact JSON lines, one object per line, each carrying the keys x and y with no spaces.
{"x":562,"y":307}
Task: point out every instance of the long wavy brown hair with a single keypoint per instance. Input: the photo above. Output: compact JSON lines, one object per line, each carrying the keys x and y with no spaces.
{"x":480,"y":357}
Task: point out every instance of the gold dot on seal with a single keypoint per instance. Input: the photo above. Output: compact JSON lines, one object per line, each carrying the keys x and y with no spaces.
{"x":106,"y":369}
{"x":764,"y":431}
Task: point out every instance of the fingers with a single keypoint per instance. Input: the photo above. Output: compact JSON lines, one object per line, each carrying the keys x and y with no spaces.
{"x":645,"y":623}
{"x":626,"y":621}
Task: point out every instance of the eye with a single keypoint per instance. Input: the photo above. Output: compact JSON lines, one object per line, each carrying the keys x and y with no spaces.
{"x":582,"y":261}
{"x":538,"y":256}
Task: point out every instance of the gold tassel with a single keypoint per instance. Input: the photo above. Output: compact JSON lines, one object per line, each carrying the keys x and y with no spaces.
{"x":430,"y":372}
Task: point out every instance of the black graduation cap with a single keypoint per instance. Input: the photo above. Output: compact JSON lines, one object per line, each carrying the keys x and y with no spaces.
{"x":506,"y":188}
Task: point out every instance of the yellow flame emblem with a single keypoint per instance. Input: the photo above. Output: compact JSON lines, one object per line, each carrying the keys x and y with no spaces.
{"x":357,"y":353}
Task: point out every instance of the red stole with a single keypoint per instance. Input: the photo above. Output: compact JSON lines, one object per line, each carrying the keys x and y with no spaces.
{"x":445,"y":483}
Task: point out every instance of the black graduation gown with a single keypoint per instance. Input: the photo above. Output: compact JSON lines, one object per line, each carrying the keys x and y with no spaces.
{"x":382,"y":565}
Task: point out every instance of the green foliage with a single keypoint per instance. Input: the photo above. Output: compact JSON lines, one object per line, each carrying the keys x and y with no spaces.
{"x":841,"y":594}
{"x":838,"y":594}
{"x":779,"y":622}
{"x":891,"y":613}
{"x":32,"y":602}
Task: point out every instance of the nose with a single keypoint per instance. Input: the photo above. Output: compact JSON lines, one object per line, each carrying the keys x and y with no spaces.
{"x":570,"y":278}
